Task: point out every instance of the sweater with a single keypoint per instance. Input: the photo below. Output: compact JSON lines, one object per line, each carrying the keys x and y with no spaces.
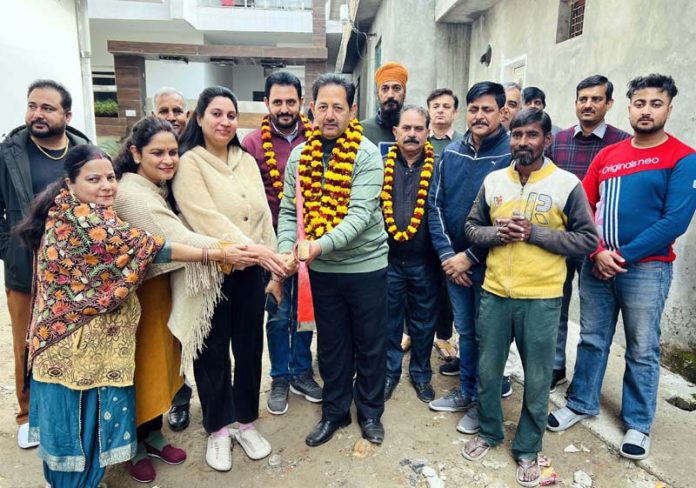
{"x":642,"y":198}
{"x":359,"y":243}
{"x":439,"y":145}
{"x":253,"y":144}
{"x":195,"y":287}
{"x":453,"y":189}
{"x":572,"y":151}
{"x":379,"y":134}
{"x":554,"y":202}
{"x":224,"y":199}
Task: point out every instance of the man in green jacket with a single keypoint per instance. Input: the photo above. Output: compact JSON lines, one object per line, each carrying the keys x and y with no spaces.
{"x":31,"y":158}
{"x":347,"y":258}
{"x":391,"y":79}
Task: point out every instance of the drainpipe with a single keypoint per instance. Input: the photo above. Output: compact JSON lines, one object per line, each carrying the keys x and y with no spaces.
{"x":84,"y":44}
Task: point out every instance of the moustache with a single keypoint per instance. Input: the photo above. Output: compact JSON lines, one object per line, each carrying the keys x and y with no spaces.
{"x":483,"y":123}
{"x":589,"y":111}
{"x":410,"y":139}
{"x":646,"y":119}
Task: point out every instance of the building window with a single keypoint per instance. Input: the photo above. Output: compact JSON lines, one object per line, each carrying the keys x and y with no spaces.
{"x":571,"y":17}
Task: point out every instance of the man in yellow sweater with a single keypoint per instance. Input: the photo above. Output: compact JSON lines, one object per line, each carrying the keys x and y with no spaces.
{"x":530,"y":215}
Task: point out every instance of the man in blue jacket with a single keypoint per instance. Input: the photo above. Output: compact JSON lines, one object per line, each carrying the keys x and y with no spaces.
{"x":456,"y":181}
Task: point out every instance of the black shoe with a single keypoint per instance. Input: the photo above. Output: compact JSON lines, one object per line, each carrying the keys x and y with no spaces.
{"x":389,"y":387}
{"x":372,"y":430}
{"x":558,"y":378}
{"x":178,"y":417}
{"x":324,"y":431}
{"x":424,"y":391}
{"x":450,"y":368}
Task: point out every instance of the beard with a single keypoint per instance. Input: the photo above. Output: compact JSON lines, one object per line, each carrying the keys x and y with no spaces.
{"x":389,"y":114}
{"x":289,"y":125}
{"x":656,"y":127}
{"x":523,"y":157}
{"x":50,"y":131}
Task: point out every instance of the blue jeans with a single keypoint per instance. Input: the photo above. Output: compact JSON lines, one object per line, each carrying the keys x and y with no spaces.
{"x":639,"y":294}
{"x":412,"y":292}
{"x":574,"y":266}
{"x":288,"y":349}
{"x":465,"y":304}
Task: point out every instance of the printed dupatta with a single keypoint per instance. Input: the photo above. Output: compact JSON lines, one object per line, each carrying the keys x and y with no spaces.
{"x":88,"y":263}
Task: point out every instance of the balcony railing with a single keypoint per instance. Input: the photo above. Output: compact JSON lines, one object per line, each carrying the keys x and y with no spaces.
{"x":263,"y":4}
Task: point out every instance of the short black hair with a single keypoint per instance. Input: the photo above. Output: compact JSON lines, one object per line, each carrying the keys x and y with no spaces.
{"x":596,"y":80}
{"x":284,"y":78}
{"x":530,"y":115}
{"x":65,"y":98}
{"x":654,"y":80}
{"x":487,"y":88}
{"x":532,"y":93}
{"x":439,"y":92}
{"x":334,"y":79}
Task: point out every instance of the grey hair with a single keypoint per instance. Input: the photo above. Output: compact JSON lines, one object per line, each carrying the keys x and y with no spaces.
{"x":511,"y":84}
{"x":416,"y":108}
{"x":166,"y":90}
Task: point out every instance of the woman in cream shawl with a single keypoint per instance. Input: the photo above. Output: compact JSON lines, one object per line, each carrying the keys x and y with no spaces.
{"x":220,"y":193}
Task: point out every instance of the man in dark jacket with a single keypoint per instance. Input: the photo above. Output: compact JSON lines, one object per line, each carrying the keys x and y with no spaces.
{"x":456,"y":182}
{"x":413,"y":274}
{"x":31,"y":157}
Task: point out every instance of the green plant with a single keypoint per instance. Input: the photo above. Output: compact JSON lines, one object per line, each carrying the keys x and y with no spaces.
{"x":105,"y":108}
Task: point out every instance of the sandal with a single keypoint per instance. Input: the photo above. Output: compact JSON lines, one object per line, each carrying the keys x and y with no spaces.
{"x":525,"y":467}
{"x":474,"y":445}
{"x":563,"y":418}
{"x":445,"y":349}
{"x":635,"y":445}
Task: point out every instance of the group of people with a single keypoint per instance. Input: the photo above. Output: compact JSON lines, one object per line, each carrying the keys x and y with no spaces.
{"x":160,"y":261}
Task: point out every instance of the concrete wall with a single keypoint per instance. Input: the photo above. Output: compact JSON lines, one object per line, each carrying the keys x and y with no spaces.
{"x":38,"y":46}
{"x":620,"y":40}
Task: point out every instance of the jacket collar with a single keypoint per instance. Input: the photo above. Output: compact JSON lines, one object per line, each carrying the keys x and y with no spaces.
{"x":489,"y":141}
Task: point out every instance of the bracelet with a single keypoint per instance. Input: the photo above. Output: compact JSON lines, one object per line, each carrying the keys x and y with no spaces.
{"x":224,"y":258}
{"x":204,"y":259}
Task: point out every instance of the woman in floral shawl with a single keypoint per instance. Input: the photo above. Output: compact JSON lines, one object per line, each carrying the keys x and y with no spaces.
{"x":85,"y":313}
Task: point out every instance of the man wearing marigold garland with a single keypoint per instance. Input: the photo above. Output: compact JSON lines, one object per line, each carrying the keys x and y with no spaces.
{"x":456,"y":182}
{"x":413,"y":275}
{"x":391,"y":81}
{"x":341,"y":175}
{"x":283,"y":129}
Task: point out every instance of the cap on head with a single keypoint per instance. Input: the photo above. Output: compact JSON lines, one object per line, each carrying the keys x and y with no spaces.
{"x":391,"y":71}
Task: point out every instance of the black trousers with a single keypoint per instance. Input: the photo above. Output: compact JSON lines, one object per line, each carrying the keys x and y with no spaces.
{"x":351,"y":315}
{"x":144,"y":430}
{"x":238,"y":319}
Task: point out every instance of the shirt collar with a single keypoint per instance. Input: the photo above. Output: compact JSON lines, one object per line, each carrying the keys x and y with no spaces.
{"x":448,"y":135}
{"x":288,"y":137}
{"x":598,"y":131}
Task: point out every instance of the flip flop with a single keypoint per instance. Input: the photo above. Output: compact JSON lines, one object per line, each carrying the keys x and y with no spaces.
{"x":523,"y":466}
{"x":478,"y":442}
{"x":637,"y":439}
{"x":565,"y":418}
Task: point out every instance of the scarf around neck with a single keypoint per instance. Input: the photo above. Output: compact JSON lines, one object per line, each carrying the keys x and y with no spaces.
{"x":88,"y":263}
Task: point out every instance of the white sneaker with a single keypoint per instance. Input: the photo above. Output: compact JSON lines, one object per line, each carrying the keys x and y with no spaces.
{"x":253,"y":443}
{"x":23,"y":437}
{"x":219,"y":453}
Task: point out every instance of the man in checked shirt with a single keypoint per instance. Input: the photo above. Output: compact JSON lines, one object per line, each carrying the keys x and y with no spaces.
{"x":573,"y":150}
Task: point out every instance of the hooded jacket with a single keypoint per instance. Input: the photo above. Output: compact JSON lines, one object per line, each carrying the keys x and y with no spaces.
{"x":16,"y":196}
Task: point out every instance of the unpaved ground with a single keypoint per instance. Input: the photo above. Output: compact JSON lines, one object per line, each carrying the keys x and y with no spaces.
{"x":414,"y":435}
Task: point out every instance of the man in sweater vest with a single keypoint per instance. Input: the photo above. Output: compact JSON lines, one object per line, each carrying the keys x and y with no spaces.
{"x":529,"y":215}
{"x":391,"y":79}
{"x":573,"y":150}
{"x":643,"y":194}
{"x":282,"y":130}
{"x":341,"y":175}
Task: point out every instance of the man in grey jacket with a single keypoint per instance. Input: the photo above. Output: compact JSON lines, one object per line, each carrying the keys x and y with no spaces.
{"x":31,"y":157}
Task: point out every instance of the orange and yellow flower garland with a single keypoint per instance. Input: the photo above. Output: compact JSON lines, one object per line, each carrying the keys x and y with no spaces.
{"x":387,"y":190}
{"x":270,"y":154}
{"x":326,"y":202}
